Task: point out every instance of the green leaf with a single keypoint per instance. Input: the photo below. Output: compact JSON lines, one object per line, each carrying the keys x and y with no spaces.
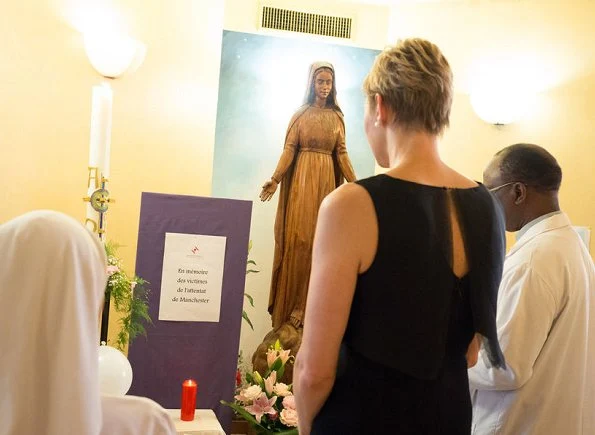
{"x":240,"y":410}
{"x":252,"y":271}
{"x":245,"y":317}
{"x":249,"y":246}
{"x":258,"y":379}
{"x":280,"y":372}
{"x":277,"y":365}
{"x":250,"y":298}
{"x":252,"y":262}
{"x":277,"y":345}
{"x":111,"y":248}
{"x":249,"y":378}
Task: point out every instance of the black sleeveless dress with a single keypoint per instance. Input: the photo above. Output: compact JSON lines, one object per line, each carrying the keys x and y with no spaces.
{"x":402,"y":367}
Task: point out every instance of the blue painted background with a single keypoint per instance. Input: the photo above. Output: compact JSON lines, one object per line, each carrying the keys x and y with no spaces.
{"x":262,"y":82}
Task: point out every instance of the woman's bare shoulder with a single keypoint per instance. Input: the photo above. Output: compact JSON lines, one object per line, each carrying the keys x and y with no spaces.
{"x":350,"y":212}
{"x":347,"y":196}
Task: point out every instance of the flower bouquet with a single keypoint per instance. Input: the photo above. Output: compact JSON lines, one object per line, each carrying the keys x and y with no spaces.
{"x":265,"y":403}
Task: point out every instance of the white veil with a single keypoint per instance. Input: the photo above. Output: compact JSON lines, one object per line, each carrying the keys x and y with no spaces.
{"x":52,"y":282}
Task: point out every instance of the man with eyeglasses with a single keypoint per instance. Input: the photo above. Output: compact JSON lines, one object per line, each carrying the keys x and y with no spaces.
{"x":546,"y":309}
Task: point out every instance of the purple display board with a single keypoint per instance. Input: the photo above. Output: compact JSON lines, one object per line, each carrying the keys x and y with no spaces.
{"x":205,"y":351}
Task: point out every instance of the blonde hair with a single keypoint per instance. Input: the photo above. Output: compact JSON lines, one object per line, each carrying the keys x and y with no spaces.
{"x":415,"y":82}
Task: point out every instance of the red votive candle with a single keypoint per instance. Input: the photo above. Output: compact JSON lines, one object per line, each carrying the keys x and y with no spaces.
{"x":188,"y":400}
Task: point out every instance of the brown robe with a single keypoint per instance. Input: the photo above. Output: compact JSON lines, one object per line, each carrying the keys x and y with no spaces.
{"x":314,"y":162}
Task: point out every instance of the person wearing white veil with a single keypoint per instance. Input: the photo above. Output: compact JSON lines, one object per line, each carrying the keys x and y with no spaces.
{"x":131,"y":415}
{"x":52,"y":284}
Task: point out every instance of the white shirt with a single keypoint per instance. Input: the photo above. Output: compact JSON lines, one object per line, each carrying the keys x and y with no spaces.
{"x":546,"y":328}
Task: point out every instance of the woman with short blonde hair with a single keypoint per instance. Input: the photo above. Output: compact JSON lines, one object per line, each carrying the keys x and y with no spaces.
{"x":405,"y":271}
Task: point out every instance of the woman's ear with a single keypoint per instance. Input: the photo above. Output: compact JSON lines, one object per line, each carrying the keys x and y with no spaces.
{"x":381,"y":111}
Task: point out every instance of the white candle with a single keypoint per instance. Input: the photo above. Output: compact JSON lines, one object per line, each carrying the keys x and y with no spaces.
{"x":101,"y":128}
{"x":99,"y":145}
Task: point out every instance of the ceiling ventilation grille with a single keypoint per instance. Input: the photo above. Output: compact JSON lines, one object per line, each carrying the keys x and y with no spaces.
{"x":305,"y":22}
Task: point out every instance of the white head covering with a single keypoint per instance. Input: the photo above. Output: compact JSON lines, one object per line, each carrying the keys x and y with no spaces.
{"x":52,"y":282}
{"x":130,"y":415}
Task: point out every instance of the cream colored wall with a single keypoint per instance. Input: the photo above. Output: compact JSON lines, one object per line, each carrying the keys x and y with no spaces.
{"x":163,"y":114}
{"x":551,"y":40}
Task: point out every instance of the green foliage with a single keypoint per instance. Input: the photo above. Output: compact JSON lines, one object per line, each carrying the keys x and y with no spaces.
{"x":249,"y":297}
{"x":129,"y":296}
{"x":247,"y":319}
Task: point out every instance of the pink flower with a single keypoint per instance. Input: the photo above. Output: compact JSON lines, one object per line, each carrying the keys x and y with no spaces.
{"x":269,"y":382}
{"x":282,"y":390}
{"x":261,"y":406}
{"x":284,"y":355}
{"x":247,"y":395}
{"x":289,"y":417}
{"x":271,"y":357}
{"x":273,"y":354}
{"x":111,"y":269}
{"x":289,"y":402}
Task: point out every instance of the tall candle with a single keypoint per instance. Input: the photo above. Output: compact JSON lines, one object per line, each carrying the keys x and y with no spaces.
{"x":101,"y":128}
{"x":189,"y":388}
{"x":99,"y":146}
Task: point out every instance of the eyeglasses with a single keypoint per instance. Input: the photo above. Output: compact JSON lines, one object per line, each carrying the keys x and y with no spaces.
{"x":495,"y":189}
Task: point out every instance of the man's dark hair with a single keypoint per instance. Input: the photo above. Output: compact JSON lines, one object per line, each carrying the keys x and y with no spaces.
{"x":530,"y":164}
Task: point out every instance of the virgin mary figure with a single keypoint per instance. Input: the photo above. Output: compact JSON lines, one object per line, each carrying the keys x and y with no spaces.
{"x":314,"y":162}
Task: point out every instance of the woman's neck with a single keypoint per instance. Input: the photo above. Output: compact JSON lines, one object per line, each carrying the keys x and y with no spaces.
{"x":413,"y":149}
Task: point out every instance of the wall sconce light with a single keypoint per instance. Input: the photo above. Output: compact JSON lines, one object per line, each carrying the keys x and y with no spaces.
{"x":112,"y":53}
{"x":500,"y":106}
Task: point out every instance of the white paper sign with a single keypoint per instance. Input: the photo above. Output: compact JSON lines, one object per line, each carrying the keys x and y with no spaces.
{"x":192,"y":277}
